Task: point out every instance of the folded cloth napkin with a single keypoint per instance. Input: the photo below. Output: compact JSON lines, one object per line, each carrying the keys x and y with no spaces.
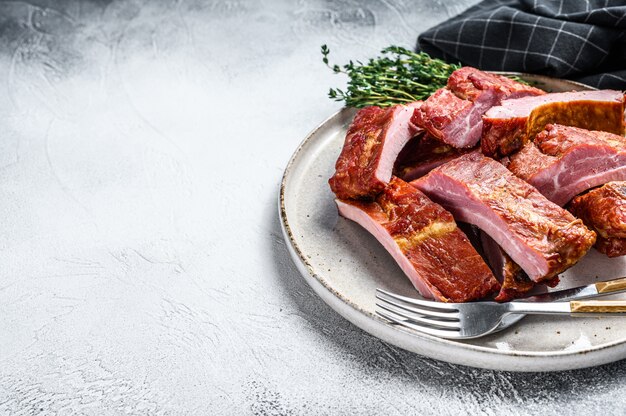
{"x":575,"y":39}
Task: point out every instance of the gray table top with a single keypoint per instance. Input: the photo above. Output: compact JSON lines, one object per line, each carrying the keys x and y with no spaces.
{"x":143,"y":269}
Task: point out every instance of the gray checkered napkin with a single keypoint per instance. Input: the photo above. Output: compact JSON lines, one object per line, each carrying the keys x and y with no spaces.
{"x":575,"y":39}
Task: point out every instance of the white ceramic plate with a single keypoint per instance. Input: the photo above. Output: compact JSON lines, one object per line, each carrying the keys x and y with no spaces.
{"x":344,"y":265}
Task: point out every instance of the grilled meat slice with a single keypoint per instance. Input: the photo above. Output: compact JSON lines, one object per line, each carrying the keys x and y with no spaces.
{"x":454,"y":114}
{"x":540,"y":236}
{"x":565,"y":161}
{"x":425,"y":241}
{"x":604,"y":210}
{"x":374,"y":140}
{"x":509,"y":126}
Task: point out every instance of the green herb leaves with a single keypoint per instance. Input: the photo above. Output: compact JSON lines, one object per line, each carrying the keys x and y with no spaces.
{"x":397,"y":76}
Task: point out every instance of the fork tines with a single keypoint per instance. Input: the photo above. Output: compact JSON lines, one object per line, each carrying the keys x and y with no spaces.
{"x":434,"y":318}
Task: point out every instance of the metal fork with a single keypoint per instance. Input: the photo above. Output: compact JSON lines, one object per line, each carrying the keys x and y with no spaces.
{"x":472,"y":320}
{"x":592,"y":290}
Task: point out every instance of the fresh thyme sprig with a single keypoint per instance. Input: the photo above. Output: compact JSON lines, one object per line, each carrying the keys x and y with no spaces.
{"x":397,"y":76}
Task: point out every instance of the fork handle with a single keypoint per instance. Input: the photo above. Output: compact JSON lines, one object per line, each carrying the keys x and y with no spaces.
{"x":616,"y":285}
{"x":571,"y":307}
{"x":597,"y":306}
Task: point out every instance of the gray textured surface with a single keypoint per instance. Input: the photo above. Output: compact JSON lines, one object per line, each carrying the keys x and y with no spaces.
{"x":143,"y":271}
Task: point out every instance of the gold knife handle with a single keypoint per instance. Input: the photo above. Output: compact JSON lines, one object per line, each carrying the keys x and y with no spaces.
{"x":611,"y":286}
{"x":604,"y":306}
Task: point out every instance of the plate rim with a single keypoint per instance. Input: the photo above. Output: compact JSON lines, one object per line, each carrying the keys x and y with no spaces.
{"x":532,"y":361}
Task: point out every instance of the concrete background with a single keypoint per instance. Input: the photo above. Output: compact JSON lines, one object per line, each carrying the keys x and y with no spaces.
{"x":142,"y":269}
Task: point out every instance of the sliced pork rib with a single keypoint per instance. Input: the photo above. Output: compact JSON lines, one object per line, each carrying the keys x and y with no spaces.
{"x":422,"y":154}
{"x":454,"y":114}
{"x":604,"y":210}
{"x":374,"y":140}
{"x":565,"y":161}
{"x":470,"y":83}
{"x":537,"y":234}
{"x":450,"y":119}
{"x":506,"y":128}
{"x":424,"y":240}
{"x":515,"y":283}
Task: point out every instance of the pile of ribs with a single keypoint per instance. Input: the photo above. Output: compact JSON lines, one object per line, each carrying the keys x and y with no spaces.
{"x":534,"y":179}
